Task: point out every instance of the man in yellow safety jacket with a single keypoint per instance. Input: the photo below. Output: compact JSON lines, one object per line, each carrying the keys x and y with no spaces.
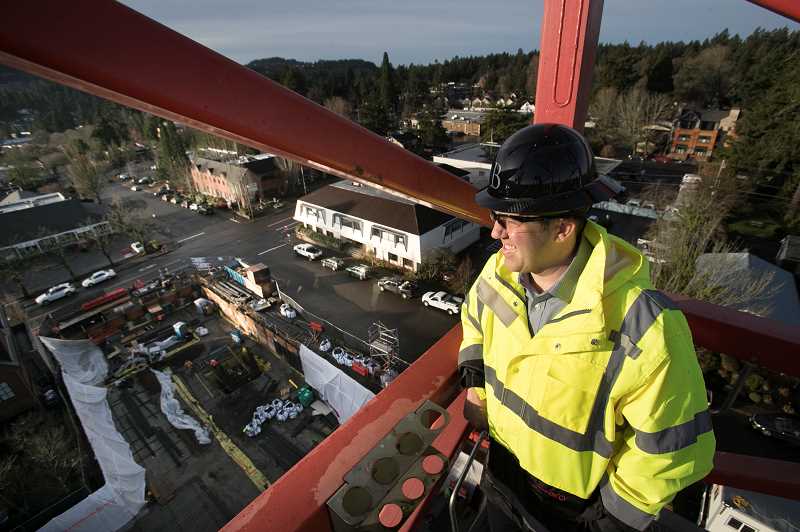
{"x":587,"y":376}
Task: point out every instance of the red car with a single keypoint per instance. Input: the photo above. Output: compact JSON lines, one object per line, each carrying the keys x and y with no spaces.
{"x":662,"y":159}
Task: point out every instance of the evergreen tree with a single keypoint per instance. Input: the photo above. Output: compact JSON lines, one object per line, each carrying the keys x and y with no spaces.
{"x":387,"y":93}
{"x":173,"y":163}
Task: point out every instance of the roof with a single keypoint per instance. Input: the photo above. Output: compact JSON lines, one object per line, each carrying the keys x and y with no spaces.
{"x":257,"y":166}
{"x":26,"y":224}
{"x":474,"y":153}
{"x":458,"y":172}
{"x":775,"y":512}
{"x":377,"y":206}
{"x":18,"y":195}
{"x":714,"y":115}
{"x":778,"y":300}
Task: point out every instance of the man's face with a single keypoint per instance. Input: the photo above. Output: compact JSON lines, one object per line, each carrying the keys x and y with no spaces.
{"x":528,"y":247}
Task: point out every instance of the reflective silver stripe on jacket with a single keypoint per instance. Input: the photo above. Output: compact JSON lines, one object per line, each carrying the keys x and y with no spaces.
{"x":470,"y":353}
{"x":622,"y":509}
{"x":674,"y":438}
{"x":492,"y":299}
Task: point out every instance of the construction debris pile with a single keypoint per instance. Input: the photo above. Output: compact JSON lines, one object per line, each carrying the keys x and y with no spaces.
{"x":278,"y":409}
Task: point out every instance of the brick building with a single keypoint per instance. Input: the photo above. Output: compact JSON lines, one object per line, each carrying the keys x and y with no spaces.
{"x":696,"y":134}
{"x":240,"y":181}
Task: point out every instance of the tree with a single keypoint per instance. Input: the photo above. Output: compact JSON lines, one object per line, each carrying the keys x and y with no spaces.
{"x":431,"y":132}
{"x":293,"y":79}
{"x":86,"y":176}
{"x":129,"y":220}
{"x":53,"y":247}
{"x":387,"y":92}
{"x":705,"y":78}
{"x":340,"y":106}
{"x":15,"y":268}
{"x":499,"y":124}
{"x":637,"y":109}
{"x":679,"y":239}
{"x":172,"y":162}
{"x":603,"y":110}
{"x":374,"y":116}
{"x":101,"y":239}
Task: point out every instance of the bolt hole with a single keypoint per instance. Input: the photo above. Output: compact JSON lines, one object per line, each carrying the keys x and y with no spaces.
{"x":384,"y":471}
{"x":409,"y":444}
{"x":357,"y":501}
{"x":429,"y":418}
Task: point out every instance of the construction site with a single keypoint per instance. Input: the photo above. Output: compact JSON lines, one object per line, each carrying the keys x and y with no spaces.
{"x":216,"y":383}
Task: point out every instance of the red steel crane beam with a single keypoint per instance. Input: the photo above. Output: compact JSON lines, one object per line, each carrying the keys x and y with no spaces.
{"x":570,"y":30}
{"x":787,"y":8}
{"x":108,"y":49}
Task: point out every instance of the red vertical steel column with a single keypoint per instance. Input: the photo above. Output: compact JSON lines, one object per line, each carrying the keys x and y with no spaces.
{"x":570,"y":30}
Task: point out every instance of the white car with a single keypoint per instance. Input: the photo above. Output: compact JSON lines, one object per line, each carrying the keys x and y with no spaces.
{"x":137,"y":248}
{"x":194,"y":207}
{"x":444,"y":301}
{"x":308,"y":251}
{"x":98,"y":277}
{"x":123,"y":177}
{"x":288,"y":312}
{"x":55,"y":293}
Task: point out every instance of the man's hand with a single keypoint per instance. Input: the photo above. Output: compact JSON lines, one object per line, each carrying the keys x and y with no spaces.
{"x":475,"y":410}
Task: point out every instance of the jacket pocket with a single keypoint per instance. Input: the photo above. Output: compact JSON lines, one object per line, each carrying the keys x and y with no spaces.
{"x":569,"y":390}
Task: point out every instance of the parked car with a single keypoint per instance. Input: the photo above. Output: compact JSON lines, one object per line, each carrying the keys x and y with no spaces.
{"x":160,"y":191}
{"x":176,"y":199}
{"x":136,"y":188}
{"x":662,"y":159}
{"x":779,"y":426}
{"x":402,"y":287}
{"x":334,"y":263}
{"x":185,"y":204}
{"x":359,"y":271}
{"x":166,"y":196}
{"x":137,"y":247}
{"x":203,"y":209}
{"x":193,"y":206}
{"x":144,"y":181}
{"x":308,"y":251}
{"x":55,"y":293}
{"x":98,"y":277}
{"x":444,"y":301}
{"x":123,"y":177}
{"x":288,"y":312}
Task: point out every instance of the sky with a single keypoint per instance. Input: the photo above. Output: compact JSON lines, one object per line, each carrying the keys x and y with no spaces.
{"x":420,"y":31}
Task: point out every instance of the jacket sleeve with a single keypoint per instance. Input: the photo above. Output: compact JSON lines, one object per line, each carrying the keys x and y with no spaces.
{"x":470,"y":355}
{"x":668,"y":440}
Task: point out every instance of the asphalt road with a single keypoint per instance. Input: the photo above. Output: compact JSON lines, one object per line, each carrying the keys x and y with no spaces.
{"x":349,"y":304}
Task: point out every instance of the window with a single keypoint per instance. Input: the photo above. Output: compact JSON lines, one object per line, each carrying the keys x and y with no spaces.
{"x":345,"y":222}
{"x":407,"y":263}
{"x":680,"y":148}
{"x":454,"y":226}
{"x":700,"y":150}
{"x":734,"y":523}
{"x":704,"y":140}
{"x":392,"y":257}
{"x":400,"y":240}
{"x":683,"y":138}
{"x":746,"y":528}
{"x":6,"y":392}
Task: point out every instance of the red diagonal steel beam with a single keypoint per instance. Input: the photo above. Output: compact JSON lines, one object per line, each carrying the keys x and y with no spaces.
{"x":765,"y":342}
{"x":296,"y":501}
{"x":755,"y":473}
{"x":570,"y":30}
{"x":110,"y":50}
{"x":787,"y":8}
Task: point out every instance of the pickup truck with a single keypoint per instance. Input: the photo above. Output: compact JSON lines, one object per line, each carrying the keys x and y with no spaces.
{"x":402,"y":287}
{"x":444,"y":301}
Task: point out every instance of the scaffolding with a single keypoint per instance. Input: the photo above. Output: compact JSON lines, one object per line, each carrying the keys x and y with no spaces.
{"x":384,"y":344}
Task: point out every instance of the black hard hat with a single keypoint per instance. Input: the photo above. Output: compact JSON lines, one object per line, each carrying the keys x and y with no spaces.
{"x":545,"y":169}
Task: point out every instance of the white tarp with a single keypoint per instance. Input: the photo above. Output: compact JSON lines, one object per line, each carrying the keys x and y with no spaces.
{"x":343,"y":393}
{"x":83,"y":366}
{"x":175,"y":414}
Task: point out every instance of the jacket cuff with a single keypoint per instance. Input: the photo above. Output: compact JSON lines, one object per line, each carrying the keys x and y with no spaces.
{"x":471,"y":377}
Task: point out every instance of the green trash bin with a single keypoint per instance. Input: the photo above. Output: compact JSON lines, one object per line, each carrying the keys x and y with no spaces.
{"x":305,"y":396}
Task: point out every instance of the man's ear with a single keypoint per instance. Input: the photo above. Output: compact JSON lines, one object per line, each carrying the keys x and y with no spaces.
{"x":565,"y":228}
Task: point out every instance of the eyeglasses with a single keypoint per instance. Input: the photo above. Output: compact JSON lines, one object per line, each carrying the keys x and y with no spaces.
{"x":502,"y":219}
